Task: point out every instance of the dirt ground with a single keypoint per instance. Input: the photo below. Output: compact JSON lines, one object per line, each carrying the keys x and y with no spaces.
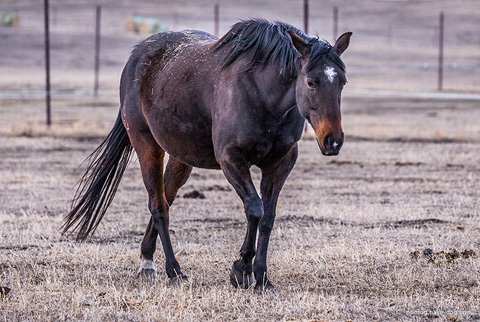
{"x":388,"y":230}
{"x":342,"y":247}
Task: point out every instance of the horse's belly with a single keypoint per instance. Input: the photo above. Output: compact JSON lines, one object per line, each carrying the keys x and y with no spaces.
{"x":187,"y":139}
{"x":193,"y":154}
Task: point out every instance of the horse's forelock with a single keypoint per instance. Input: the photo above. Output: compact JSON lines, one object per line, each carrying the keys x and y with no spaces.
{"x":323,"y":50}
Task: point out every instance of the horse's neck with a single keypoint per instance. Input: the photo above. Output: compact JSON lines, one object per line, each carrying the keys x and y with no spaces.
{"x":278,"y":90}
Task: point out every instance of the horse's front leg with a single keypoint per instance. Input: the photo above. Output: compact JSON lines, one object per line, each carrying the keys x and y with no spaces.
{"x":236,"y":170}
{"x":273,"y":177}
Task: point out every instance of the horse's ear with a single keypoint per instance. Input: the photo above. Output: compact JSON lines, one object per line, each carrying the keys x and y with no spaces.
{"x":342,"y":43}
{"x":300,"y":46}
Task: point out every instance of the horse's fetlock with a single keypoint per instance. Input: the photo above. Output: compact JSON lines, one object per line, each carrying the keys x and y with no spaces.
{"x":260,"y":273}
{"x":241,"y":266}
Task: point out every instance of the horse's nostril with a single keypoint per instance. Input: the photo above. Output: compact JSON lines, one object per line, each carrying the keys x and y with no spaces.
{"x":328,"y":141}
{"x":340,"y":141}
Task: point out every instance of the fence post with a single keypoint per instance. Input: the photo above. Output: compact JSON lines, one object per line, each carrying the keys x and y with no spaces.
{"x":440,"y":51}
{"x":305,"y":29}
{"x":97,"y":50}
{"x":305,"y":16}
{"x":47,"y":63}
{"x":335,"y":23}
{"x":216,"y":18}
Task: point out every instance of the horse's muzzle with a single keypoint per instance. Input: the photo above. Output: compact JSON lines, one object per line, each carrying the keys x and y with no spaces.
{"x":331,"y":145}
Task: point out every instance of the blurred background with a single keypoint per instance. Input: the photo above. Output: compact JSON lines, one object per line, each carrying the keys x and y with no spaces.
{"x":394,"y":49}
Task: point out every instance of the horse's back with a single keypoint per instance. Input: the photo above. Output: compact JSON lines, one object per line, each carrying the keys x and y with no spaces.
{"x":155,"y":52}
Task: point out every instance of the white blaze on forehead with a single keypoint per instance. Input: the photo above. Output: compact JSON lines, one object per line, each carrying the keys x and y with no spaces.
{"x":331,"y":73}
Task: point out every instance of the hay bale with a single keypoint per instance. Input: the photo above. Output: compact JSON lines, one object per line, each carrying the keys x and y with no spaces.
{"x":145,"y":27}
{"x":10,"y":20}
{"x":130,"y":25}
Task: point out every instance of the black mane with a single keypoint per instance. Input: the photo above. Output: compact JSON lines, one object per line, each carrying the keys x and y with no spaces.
{"x":268,"y":42}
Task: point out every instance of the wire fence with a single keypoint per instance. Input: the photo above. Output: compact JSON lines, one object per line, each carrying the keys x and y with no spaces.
{"x":395,"y":45}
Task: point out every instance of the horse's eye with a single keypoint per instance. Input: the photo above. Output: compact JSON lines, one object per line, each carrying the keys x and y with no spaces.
{"x":310,"y":83}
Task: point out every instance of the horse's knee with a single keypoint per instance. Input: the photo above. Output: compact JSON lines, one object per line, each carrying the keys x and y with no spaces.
{"x":254,"y":209}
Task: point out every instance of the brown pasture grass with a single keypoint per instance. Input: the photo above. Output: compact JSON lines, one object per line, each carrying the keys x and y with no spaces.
{"x":405,"y":181}
{"x":340,"y":250}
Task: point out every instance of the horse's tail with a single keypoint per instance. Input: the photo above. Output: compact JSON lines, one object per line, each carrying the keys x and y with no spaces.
{"x":98,"y":185}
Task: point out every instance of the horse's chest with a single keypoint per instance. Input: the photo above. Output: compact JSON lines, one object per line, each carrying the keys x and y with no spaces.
{"x":258,"y":151}
{"x":259,"y":147}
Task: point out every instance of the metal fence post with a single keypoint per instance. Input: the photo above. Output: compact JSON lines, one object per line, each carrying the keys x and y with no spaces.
{"x":216,"y":18}
{"x":440,"y":52}
{"x":305,"y":16}
{"x":47,"y":63}
{"x":97,"y":49}
{"x":335,"y":23}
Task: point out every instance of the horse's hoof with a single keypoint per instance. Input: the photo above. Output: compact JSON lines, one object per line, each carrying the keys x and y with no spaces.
{"x":264,"y":287}
{"x":147,"y":273}
{"x":147,"y":269}
{"x":180,"y":281}
{"x":239,"y":279}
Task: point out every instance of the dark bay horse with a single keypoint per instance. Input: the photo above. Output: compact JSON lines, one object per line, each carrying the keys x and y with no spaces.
{"x":227,"y":104}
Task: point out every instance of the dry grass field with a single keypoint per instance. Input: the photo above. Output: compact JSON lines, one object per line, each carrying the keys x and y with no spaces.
{"x":388,"y":230}
{"x":342,"y":247}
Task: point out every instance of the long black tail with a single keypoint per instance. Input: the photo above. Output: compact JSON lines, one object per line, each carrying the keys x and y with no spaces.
{"x":98,"y":185}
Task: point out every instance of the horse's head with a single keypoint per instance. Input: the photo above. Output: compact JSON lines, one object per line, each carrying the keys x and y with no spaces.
{"x":318,"y":89}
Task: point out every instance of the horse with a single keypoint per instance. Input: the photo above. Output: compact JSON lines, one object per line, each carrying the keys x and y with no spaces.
{"x":228,"y":104}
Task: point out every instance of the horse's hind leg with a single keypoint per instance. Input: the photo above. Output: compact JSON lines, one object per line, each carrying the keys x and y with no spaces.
{"x":150,"y":156}
{"x":176,"y":174}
